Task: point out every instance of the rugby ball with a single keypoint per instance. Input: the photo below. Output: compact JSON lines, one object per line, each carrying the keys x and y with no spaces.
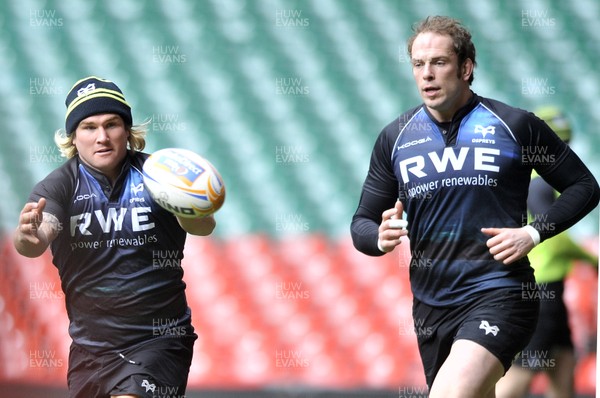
{"x":183,"y":182}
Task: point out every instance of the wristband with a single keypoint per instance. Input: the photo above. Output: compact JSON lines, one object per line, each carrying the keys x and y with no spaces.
{"x":535,"y":235}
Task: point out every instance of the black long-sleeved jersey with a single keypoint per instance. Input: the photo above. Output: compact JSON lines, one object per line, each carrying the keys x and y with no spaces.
{"x":458,"y":177}
{"x":118,"y":255}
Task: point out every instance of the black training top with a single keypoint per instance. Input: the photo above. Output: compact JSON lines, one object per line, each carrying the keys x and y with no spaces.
{"x":118,"y":255}
{"x":455,"y":178}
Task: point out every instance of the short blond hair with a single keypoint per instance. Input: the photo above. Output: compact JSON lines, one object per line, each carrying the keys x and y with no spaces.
{"x":136,"y":140}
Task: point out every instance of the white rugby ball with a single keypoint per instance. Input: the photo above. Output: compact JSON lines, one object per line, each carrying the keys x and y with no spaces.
{"x":183,"y":182}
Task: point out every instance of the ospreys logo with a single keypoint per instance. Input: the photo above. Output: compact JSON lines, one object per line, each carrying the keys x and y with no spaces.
{"x":493,"y":329}
{"x":136,"y":189}
{"x":484,"y":131}
{"x":86,"y":90}
{"x":479,"y":129}
{"x":148,"y":386}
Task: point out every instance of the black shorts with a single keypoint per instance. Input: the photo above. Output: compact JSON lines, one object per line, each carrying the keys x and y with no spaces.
{"x":500,"y":320}
{"x":552,"y":330}
{"x":153,"y":369}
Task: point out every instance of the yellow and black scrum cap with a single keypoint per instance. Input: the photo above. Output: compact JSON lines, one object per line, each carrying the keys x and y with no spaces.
{"x":93,"y":96}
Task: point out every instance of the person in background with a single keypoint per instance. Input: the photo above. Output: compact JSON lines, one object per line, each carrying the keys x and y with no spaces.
{"x":550,"y":349}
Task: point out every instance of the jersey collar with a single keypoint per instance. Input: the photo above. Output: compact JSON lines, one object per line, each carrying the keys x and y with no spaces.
{"x":111,"y":191}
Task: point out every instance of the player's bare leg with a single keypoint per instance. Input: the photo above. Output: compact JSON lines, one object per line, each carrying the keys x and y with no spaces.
{"x":470,"y":371}
{"x":561,"y":377}
{"x":515,"y":383}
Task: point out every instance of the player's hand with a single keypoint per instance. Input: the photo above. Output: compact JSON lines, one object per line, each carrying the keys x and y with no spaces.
{"x":389,"y":237}
{"x":201,"y":226}
{"x":30,"y":219}
{"x":508,"y":244}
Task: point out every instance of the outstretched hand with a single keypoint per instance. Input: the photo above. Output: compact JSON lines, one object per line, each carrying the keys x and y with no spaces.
{"x":30,"y":219}
{"x":36,"y":229}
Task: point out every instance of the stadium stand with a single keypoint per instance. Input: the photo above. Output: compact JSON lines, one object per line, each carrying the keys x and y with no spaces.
{"x":285,"y":98}
{"x":303,"y":312}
